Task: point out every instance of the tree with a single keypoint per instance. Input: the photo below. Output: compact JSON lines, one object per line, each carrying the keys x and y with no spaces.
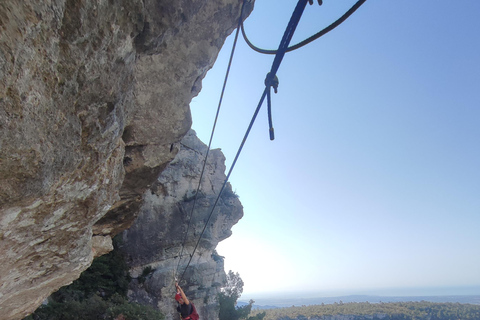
{"x":228,"y":300}
{"x":99,"y":293}
{"x":234,"y":286}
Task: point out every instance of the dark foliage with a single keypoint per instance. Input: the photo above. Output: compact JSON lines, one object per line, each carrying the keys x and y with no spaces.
{"x":106,"y":276}
{"x":146,"y":273}
{"x":99,"y":293}
{"x":228,"y":300}
{"x":94,"y":308}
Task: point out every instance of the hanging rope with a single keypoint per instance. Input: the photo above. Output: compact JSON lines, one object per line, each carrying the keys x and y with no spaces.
{"x":211,"y":138}
{"x":310,"y":39}
{"x":272,"y":83}
{"x":269,"y":83}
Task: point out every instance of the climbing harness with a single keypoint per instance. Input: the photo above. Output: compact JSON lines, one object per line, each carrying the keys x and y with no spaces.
{"x":271,"y":81}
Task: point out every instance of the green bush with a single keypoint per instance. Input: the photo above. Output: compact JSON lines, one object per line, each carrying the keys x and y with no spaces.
{"x":99,"y":293}
{"x":134,"y":311}
{"x":146,"y":272}
{"x":227,"y":301}
{"x":91,"y":308}
{"x":95,"y":308}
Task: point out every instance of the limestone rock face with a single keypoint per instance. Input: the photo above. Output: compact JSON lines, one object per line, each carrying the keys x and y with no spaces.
{"x":167,"y":230}
{"x":93,"y":102}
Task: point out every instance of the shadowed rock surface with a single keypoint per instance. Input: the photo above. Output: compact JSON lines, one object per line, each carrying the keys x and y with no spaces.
{"x":154,"y":242}
{"x":93,"y":102}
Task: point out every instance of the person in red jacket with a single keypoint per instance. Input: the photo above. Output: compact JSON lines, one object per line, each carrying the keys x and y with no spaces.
{"x":186,"y":308}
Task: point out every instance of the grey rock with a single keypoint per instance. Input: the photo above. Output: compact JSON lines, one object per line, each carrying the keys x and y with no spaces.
{"x":93,"y":102}
{"x":167,"y":231}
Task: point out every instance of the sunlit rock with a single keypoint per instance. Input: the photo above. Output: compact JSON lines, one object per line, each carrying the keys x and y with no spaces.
{"x":93,"y":102}
{"x":167,"y":227}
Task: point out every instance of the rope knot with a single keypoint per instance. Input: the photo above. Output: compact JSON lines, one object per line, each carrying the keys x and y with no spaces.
{"x":272,"y":81}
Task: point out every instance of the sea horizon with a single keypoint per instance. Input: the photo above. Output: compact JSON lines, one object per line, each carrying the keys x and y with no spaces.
{"x":465,"y":294}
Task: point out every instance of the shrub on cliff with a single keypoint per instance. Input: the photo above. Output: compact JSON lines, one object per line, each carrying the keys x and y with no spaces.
{"x":95,"y":308}
{"x":99,"y":293}
{"x":228,"y":299}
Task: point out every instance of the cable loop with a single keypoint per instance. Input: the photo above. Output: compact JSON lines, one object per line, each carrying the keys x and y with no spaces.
{"x":317,"y":35}
{"x":270,"y":81}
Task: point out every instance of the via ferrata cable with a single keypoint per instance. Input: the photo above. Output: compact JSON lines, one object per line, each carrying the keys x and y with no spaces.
{"x":210,"y":142}
{"x":269,"y":83}
{"x":317,"y":35}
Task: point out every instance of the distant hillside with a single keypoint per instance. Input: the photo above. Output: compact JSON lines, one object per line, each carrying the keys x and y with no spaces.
{"x":386,"y":311}
{"x":288,"y":302}
{"x":256,"y":307}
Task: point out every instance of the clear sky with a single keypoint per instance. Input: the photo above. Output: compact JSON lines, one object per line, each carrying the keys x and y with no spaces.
{"x":373,"y":180}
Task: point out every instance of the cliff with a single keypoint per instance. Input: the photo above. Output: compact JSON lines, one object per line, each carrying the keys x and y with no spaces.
{"x":167,"y":230}
{"x":93,"y":103}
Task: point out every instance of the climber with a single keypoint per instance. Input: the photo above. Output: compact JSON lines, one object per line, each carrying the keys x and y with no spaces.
{"x":186,"y":307}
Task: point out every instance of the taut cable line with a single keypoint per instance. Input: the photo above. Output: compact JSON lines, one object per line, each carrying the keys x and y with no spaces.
{"x":268,"y":83}
{"x":210,"y":142}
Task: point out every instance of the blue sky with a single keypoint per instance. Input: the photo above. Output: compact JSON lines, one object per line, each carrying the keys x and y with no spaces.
{"x":373,"y":180}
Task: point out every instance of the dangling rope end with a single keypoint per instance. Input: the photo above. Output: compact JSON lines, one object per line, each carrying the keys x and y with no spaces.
{"x":269,"y":107}
{"x":319,"y":2}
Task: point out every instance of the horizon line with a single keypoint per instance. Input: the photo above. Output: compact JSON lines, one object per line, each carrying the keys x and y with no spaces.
{"x":378,"y":292}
